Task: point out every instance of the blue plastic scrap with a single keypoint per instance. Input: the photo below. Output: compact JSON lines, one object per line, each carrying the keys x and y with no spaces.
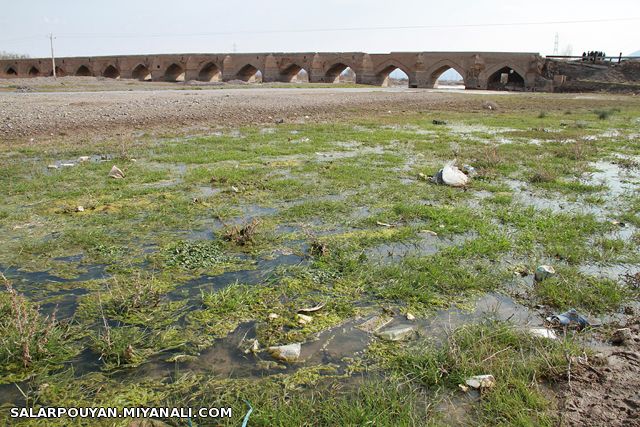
{"x":246,"y":417}
{"x":568,"y":318}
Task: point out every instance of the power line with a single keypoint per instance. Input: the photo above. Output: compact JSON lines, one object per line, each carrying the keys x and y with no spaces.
{"x":339,"y":29}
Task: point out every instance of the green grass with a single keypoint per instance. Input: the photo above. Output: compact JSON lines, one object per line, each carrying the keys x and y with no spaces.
{"x":329,"y":197}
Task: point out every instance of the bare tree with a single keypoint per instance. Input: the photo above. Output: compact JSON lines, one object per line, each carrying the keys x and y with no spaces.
{"x":12,"y":55}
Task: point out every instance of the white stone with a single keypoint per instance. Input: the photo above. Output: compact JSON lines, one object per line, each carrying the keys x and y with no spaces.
{"x":286,"y":353}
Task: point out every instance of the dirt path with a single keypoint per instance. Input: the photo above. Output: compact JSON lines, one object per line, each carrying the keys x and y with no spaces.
{"x":606,"y":391}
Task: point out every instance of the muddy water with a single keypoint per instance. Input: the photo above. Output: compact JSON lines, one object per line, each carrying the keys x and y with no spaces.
{"x":336,"y":346}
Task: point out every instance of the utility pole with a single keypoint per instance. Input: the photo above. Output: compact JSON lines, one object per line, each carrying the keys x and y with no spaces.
{"x":53,"y":58}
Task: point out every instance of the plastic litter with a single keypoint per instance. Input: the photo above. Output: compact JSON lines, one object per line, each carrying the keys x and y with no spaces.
{"x":116,"y":173}
{"x":569,"y":318}
{"x":481,"y":381}
{"x":451,"y":175}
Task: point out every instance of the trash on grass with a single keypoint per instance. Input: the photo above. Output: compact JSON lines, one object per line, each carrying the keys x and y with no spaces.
{"x":451,"y":175}
{"x":569,"y":318}
{"x":481,"y":381}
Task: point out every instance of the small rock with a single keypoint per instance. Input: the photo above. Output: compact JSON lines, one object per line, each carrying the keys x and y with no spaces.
{"x":80,"y":209}
{"x":235,"y":189}
{"x":544,"y":272}
{"x":286,"y":353}
{"x":429,"y":232}
{"x":489,"y":105}
{"x":83,"y":158}
{"x":279,"y":121}
{"x":303,"y":319}
{"x":621,"y":336}
{"x":52,"y":167}
{"x":410,"y":316}
{"x":116,"y":173}
{"x":383,"y":224}
{"x":67,"y":165}
{"x":397,"y":333}
{"x":273,"y":316}
{"x":481,"y":381}
{"x":543,"y":333}
{"x":422,"y":177}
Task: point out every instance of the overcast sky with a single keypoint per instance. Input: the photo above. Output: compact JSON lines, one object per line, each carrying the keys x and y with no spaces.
{"x":86,"y":27}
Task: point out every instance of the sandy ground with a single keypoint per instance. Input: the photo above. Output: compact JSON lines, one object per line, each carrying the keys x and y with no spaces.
{"x":88,"y":107}
{"x":29,"y":114}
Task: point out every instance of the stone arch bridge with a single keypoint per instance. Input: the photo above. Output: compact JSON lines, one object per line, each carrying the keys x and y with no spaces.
{"x":480,"y":70}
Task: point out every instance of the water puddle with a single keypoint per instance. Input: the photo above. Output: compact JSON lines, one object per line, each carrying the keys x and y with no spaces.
{"x":40,"y":287}
{"x":617,"y":179}
{"x":427,"y":244}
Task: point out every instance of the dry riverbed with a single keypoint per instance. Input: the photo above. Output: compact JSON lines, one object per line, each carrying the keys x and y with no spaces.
{"x":287,"y":248}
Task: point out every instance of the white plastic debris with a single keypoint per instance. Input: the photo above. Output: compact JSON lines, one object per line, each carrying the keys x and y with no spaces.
{"x":116,"y":173}
{"x":481,"y":381}
{"x":543,"y":333}
{"x":397,"y":333}
{"x":303,"y":319}
{"x":452,"y":176}
{"x":286,"y":353}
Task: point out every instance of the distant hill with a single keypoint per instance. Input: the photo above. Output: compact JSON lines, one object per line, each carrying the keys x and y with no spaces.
{"x":636,"y":53}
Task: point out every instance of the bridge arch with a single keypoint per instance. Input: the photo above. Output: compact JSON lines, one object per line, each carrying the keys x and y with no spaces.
{"x":384,"y":71}
{"x":174,"y":73}
{"x":111,"y":72}
{"x":333,"y":73}
{"x":294,"y":73}
{"x":33,"y":71}
{"x":83,"y":71}
{"x":436,"y":70}
{"x":492,"y":77}
{"x":210,"y":72}
{"x":10,"y":71}
{"x":249,"y":73}
{"x":141,"y":72}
